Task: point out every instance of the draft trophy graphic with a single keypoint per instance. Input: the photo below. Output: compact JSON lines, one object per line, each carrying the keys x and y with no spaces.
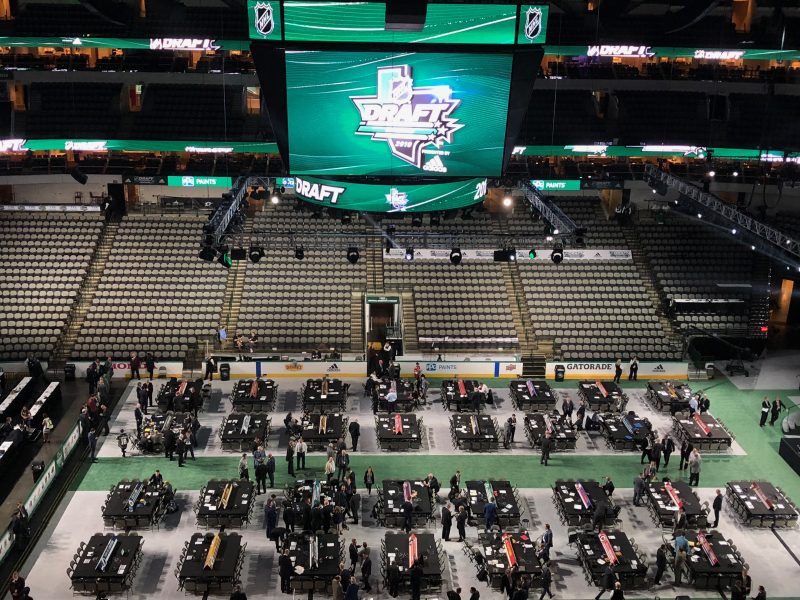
{"x":415,"y":122}
{"x":265,"y":21}
{"x":397,"y":199}
{"x":533,"y":23}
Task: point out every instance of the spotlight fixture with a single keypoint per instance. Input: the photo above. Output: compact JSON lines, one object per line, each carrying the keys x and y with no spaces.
{"x":455,"y":256}
{"x":238,"y":254}
{"x":276,"y":197}
{"x":532,"y":253}
{"x":299,"y":253}
{"x":699,"y":215}
{"x":712,"y":173}
{"x":208,"y":253}
{"x":409,"y":255}
{"x":225,"y":259}
{"x":346,"y":218}
{"x":653,"y":191}
{"x":507,"y":200}
{"x":555,"y":232}
{"x":736,"y":173}
{"x":549,"y":238}
{"x":256,"y":253}
{"x":353,"y":255}
{"x":416,"y":220}
{"x":752,"y":247}
{"x":557,"y":255}
{"x":733,"y":231}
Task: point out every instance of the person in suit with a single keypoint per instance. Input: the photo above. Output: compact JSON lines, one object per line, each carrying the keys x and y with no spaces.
{"x":747,"y":582}
{"x":290,"y":457}
{"x":638,"y":489}
{"x":617,"y":370}
{"x":393,"y":579}
{"x":408,"y":516}
{"x":343,"y":462}
{"x":547,"y":580}
{"x":93,"y":375}
{"x":607,"y":581}
{"x":474,"y":594}
{"x":717,"y":506}
{"x":679,"y":521}
{"x":352,"y":589}
{"x":661,"y":564}
{"x":547,"y":541}
{"x":300,"y":449}
{"x":489,"y":514}
{"x":617,"y":593}
{"x":355,"y":432}
{"x":775,"y":410}
{"x":139,"y":416}
{"x":91,"y":437}
{"x":369,"y":480}
{"x":353,"y":551}
{"x":694,"y":467}
{"x":454,"y":594}
{"x":211,"y":368}
{"x":415,"y":575}
{"x":306,"y":516}
{"x":455,"y":483}
{"x":447,"y":521}
{"x":150,"y":366}
{"x":461,"y":522}
{"x":765,"y":408}
{"x":547,"y":444}
{"x":686,"y":452}
{"x":633,"y":369}
{"x":271,"y":515}
{"x":609,"y":487}
{"x":366,"y":572}
{"x":285,"y":569}
{"x":289,"y":516}
{"x":180,"y":446}
{"x":169,"y":444}
{"x":668,"y":447}
{"x":762,"y":594}
{"x":136,"y":362}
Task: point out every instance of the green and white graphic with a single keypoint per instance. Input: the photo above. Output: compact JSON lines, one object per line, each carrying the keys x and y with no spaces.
{"x":533,"y":24}
{"x":403,"y":113}
{"x":264,"y":19}
{"x":369,"y":197}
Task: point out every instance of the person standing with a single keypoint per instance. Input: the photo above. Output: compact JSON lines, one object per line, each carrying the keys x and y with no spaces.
{"x":270,"y":470}
{"x":547,"y":580}
{"x":355,"y":432}
{"x":765,"y":408}
{"x":352,"y":589}
{"x":244,"y":468}
{"x":461,"y":522}
{"x":330,"y":468}
{"x":661,"y":564}
{"x":644,"y":446}
{"x":353,"y":552}
{"x":694,"y":467}
{"x":607,"y":580}
{"x":301,"y":448}
{"x":617,"y":370}
{"x":271,"y":515}
{"x":717,"y":506}
{"x":686,"y":452}
{"x":393,"y":579}
{"x":93,"y":376}
{"x":513,"y":426}
{"x":150,"y":366}
{"x":17,"y":587}
{"x":285,"y":571}
{"x":415,"y":576}
{"x":343,"y":462}
{"x":136,"y":362}
{"x":777,"y":407}
{"x":762,"y":594}
{"x":617,"y":593}
{"x":369,"y":480}
{"x":261,"y":474}
{"x":668,"y":446}
{"x":447,"y":521}
{"x":366,"y":572}
{"x":633,"y":369}
{"x":211,"y":368}
{"x":546,"y":445}
{"x":290,"y":457}
{"x":547,"y":541}
{"x":489,"y":514}
{"x":638,"y":489}
{"x":474,"y":594}
{"x":681,"y":550}
{"x":655,"y":453}
{"x":91,"y":437}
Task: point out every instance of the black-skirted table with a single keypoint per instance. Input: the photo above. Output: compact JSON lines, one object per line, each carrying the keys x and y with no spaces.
{"x":405,"y":396}
{"x":254,"y":395}
{"x":10,"y":446}
{"x":315,"y":559}
{"x":16,"y":398}
{"x":50,"y":397}
{"x":576,"y":501}
{"x":563,"y":435}
{"x":664,"y":498}
{"x":319,"y":429}
{"x":106,"y":563}
{"x":132,"y":504}
{"x":475,"y":432}
{"x":505,"y":497}
{"x":225,"y":503}
{"x":761,"y":504}
{"x":395,"y":492}
{"x":180,"y":395}
{"x":596,"y":550}
{"x":604,"y":396}
{"x":511,"y":549}
{"x":316,"y":489}
{"x":399,"y":431}
{"x":404,"y":549}
{"x":334,"y":399}
{"x":457,"y":394}
{"x":155,"y":425}
{"x":706,"y":433}
{"x":667,"y":396}
{"x":532,"y":394}
{"x":211,"y":563}
{"x":625,"y":432}
{"x":712,"y":562}
{"x":239,"y":432}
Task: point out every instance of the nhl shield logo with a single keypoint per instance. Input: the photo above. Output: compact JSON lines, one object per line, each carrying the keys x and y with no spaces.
{"x":533,"y":23}
{"x":265,"y":22}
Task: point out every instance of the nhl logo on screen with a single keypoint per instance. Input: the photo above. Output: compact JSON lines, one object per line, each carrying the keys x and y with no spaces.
{"x":533,"y":23}
{"x":265,"y":22}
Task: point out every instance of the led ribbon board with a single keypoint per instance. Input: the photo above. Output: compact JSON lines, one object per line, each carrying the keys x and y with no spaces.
{"x":707,"y":549}
{"x":398,"y":424}
{"x":508,"y":544}
{"x":701,"y":424}
{"x":412,"y":549}
{"x":396,"y":113}
{"x":134,"y":497}
{"x":607,"y":548}
{"x":213,"y":550}
{"x":583,"y":495}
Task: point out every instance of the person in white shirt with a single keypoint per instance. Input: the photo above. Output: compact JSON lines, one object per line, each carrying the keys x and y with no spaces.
{"x":301,"y":448}
{"x":633,"y":369}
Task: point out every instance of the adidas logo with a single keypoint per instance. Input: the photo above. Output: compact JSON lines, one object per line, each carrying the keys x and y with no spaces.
{"x":435,"y":164}
{"x":333,"y":368}
{"x":658,"y":369}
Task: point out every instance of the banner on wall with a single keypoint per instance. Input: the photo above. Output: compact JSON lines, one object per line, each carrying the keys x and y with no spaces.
{"x":122,"y":369}
{"x":60,"y":208}
{"x":542,"y":254}
{"x":479,"y":369}
{"x":605,"y":369}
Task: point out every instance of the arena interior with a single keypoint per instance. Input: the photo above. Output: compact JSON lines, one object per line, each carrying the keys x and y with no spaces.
{"x":409,"y":298}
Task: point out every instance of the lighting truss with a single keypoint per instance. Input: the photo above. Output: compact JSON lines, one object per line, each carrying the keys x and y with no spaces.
{"x":767,"y":240}
{"x":550,"y":211}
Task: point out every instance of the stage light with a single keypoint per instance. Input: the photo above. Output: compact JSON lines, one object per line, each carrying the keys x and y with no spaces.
{"x":256,"y":253}
{"x":507,"y":200}
{"x":299,"y":254}
{"x":208,"y":253}
{"x":788,"y":242}
{"x":712,"y":173}
{"x":653,"y":191}
{"x":736,"y":173}
{"x":505,"y":255}
{"x":455,"y":256}
{"x":752,"y":247}
{"x":549,"y":238}
{"x":225,"y":260}
{"x":699,"y":215}
{"x":416,"y":220}
{"x":532,"y":253}
{"x":557,"y":255}
{"x":512,"y":254}
{"x":734,"y":230}
{"x":555,"y":232}
{"x":353,"y":255}
{"x":409,"y":255}
{"x":346,"y":218}
{"x":275,"y":198}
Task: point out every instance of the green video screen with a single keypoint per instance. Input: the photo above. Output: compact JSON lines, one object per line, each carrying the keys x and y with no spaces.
{"x":397,"y":113}
{"x":365,"y":22}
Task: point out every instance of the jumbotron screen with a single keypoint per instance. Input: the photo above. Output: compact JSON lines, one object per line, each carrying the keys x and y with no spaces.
{"x":397,"y":113}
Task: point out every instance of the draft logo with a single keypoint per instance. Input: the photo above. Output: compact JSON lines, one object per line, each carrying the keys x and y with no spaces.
{"x":398,"y":199}
{"x":533,"y":23}
{"x":265,"y":21}
{"x":413,"y":121}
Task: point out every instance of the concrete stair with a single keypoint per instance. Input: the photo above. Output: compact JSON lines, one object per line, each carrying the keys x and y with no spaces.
{"x":534,"y":366}
{"x":88,"y":290}
{"x":409,"y":314}
{"x":234,"y":288}
{"x":357,"y":338}
{"x":374,"y":257}
{"x":518,"y":304}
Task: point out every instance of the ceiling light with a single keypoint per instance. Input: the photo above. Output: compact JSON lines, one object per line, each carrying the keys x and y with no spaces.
{"x":409,"y":255}
{"x":733,"y":231}
{"x":455,"y":256}
{"x":275,"y":198}
{"x":736,"y":173}
{"x":712,"y":173}
{"x":532,"y":253}
{"x":557,"y":255}
{"x":353,"y":255}
{"x":699,"y":215}
{"x":256,"y":253}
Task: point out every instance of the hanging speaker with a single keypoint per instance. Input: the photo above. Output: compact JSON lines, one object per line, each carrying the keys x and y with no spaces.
{"x":78,"y":175}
